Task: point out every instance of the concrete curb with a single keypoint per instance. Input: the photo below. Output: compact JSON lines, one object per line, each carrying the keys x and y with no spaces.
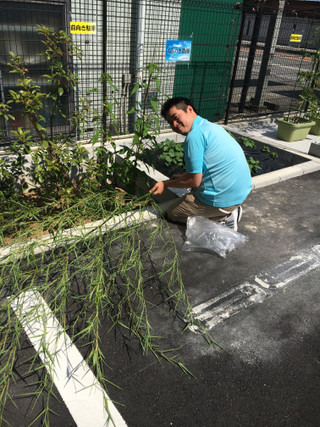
{"x":285,"y":174}
{"x":69,"y":236}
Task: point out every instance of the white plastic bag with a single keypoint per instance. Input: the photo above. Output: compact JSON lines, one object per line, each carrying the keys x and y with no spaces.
{"x":204,"y":235}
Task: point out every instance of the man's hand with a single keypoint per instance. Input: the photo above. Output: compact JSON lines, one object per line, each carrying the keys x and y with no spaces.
{"x":158,"y":188}
{"x":185,"y":180}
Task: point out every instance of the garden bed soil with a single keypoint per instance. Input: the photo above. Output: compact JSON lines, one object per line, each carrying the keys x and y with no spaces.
{"x":266,"y":162}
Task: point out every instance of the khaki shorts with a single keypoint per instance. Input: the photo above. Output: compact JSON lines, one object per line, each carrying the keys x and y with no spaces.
{"x":190,"y":205}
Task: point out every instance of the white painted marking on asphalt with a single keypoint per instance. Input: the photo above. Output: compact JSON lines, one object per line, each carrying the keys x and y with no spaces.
{"x":227,"y":298}
{"x":228,"y":304}
{"x":242,"y":296}
{"x":262,"y":283}
{"x":292,"y":269}
{"x":83,"y":395}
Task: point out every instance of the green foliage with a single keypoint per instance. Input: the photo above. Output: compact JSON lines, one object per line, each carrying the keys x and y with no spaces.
{"x":249,"y":143}
{"x":253,"y":165}
{"x":147,"y":126}
{"x":310,"y":81}
{"x":308,"y":106}
{"x":4,"y":112}
{"x":172,"y":153}
{"x":103,"y":279}
{"x":54,"y":157}
{"x":246,"y":142}
{"x":49,"y":168}
{"x":272,"y":154}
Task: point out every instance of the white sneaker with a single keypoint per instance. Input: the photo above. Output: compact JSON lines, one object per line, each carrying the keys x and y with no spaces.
{"x":234,"y":218}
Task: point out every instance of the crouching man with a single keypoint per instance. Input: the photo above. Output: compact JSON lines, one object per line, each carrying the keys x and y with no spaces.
{"x":216,"y":168}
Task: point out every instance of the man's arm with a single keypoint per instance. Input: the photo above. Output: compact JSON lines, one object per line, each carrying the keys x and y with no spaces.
{"x":185,"y":180}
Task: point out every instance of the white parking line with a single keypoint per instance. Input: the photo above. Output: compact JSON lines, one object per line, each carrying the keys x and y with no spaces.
{"x":83,"y":395}
{"x":242,"y":296}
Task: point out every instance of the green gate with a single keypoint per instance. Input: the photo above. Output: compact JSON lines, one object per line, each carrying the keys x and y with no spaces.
{"x":213,"y":27}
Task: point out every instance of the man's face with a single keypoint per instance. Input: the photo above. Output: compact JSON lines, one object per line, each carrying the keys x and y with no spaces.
{"x":181,"y":121}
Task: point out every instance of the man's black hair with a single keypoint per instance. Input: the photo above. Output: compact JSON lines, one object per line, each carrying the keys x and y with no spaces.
{"x":180,"y":102}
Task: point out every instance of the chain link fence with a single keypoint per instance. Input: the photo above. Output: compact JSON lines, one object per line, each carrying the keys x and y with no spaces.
{"x":237,"y":68}
{"x":269,"y":58}
{"x":119,"y":37}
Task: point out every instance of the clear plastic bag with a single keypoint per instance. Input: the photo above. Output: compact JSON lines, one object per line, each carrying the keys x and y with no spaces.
{"x":204,"y":235}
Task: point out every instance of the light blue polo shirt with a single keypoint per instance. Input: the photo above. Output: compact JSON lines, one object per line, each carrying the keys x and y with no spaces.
{"x":210,"y":150}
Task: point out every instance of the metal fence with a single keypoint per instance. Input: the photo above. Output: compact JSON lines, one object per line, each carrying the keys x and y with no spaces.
{"x":237,"y":67}
{"x":269,"y":58}
{"x":121,"y":36}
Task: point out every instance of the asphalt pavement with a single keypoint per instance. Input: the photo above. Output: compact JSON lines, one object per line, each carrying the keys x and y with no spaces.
{"x":264,"y":300}
{"x":261,"y":304}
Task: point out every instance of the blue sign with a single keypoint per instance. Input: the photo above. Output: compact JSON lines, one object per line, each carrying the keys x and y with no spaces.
{"x":178,"y":50}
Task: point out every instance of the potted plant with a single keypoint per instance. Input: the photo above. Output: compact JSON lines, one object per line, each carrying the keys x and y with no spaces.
{"x":313,"y":91}
{"x":296,"y":127}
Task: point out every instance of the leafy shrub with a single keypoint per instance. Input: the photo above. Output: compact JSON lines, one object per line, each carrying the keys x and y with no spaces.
{"x":172,"y":153}
{"x":52,"y":157}
{"x":101,"y":278}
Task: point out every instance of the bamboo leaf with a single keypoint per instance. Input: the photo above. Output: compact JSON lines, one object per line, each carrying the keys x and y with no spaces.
{"x":154,"y":105}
